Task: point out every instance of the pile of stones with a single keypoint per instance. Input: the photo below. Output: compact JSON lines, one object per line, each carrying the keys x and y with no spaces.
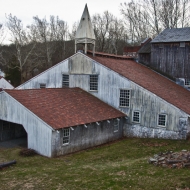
{"x":171,"y":159}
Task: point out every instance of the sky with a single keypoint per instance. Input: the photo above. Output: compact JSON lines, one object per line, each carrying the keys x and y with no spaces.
{"x":67,"y":10}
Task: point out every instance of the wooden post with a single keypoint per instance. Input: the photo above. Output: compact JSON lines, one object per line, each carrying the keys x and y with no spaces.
{"x":85,"y":48}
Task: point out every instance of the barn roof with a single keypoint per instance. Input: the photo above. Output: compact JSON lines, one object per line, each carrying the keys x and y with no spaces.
{"x":145,"y":48}
{"x":173,"y":35}
{"x":65,"y":107}
{"x":150,"y":80}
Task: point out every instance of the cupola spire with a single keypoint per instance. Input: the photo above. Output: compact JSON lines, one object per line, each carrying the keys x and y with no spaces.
{"x":85,"y":33}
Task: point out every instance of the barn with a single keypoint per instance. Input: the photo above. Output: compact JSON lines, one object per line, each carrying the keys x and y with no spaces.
{"x":58,"y":121}
{"x":92,"y":98}
{"x":170,"y":54}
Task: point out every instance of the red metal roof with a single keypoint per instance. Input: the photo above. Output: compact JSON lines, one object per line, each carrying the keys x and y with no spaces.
{"x":100,"y":54}
{"x":64,"y":107}
{"x":131,"y":48}
{"x":150,"y":80}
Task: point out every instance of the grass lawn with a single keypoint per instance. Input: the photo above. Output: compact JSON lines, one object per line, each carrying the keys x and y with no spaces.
{"x":120,"y":165}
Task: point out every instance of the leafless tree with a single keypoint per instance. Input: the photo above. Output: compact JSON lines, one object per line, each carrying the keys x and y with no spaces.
{"x":48,"y":33}
{"x":147,"y":18}
{"x":21,"y":38}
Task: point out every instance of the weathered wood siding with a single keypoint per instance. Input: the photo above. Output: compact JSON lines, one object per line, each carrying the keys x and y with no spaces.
{"x":5,"y":85}
{"x":171,"y":59}
{"x":39,"y":133}
{"x":109,"y":85}
{"x":144,"y":58}
{"x":83,"y":138}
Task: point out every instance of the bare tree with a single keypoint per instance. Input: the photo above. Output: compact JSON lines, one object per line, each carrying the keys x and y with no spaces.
{"x":48,"y":33}
{"x":147,"y":18}
{"x":21,"y":39}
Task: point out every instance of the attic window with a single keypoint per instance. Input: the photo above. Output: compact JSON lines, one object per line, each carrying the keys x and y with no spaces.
{"x":93,"y":82}
{"x":182,"y":44}
{"x":187,"y":82}
{"x":65,"y":81}
{"x":66,"y":135}
{"x":42,"y":85}
{"x":83,"y":18}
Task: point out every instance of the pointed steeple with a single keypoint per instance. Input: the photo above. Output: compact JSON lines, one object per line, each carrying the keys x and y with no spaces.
{"x":85,"y":33}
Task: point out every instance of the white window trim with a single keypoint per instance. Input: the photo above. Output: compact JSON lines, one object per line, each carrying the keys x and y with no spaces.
{"x":164,"y":126}
{"x":115,"y":125}
{"x":129,"y":97}
{"x":187,"y":85}
{"x":139,"y":117}
{"x":65,"y":144}
{"x":97,"y":84}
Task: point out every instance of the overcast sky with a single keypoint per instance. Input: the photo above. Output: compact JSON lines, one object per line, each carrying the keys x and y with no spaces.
{"x":67,"y":10}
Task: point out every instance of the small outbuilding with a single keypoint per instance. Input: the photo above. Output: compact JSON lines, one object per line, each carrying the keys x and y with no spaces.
{"x":170,"y":54}
{"x":58,"y":121}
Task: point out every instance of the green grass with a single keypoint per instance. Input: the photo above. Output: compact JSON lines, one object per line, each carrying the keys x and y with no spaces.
{"x":120,"y":165}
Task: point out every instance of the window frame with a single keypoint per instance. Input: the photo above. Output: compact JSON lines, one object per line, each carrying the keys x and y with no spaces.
{"x":139,"y":116}
{"x":93,"y":83}
{"x":162,"y":114}
{"x":66,"y":136}
{"x":187,"y":82}
{"x":42,"y":85}
{"x":127,"y":98}
{"x":115,"y":125}
{"x":65,"y":83}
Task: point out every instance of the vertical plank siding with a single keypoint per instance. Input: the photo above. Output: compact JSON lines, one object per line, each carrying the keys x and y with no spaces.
{"x":38,"y":133}
{"x":171,"y":59}
{"x":144,"y":58}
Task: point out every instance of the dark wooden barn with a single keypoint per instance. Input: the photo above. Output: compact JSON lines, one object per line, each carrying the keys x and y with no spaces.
{"x":170,"y":54}
{"x":144,"y":52}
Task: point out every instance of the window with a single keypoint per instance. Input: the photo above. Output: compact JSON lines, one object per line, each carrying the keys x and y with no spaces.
{"x":65,"y":82}
{"x":136,"y":116}
{"x":124,"y":98}
{"x":187,"y":82}
{"x":116,"y":125}
{"x":42,"y":85}
{"x":66,"y":135}
{"x":182,"y":44}
{"x":94,"y":82}
{"x":162,"y":120}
